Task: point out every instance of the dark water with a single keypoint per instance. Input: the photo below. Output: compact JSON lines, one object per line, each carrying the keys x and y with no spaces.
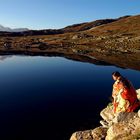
{"x":48,"y":98}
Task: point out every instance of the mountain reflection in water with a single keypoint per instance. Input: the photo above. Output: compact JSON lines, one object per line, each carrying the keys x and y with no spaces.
{"x":131,"y":61}
{"x":43,"y":97}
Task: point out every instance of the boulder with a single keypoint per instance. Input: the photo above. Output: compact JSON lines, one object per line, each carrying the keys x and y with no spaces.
{"x":125,"y":130}
{"x":124,"y":117}
{"x":75,"y":37}
{"x":107,"y":113}
{"x":98,"y":133}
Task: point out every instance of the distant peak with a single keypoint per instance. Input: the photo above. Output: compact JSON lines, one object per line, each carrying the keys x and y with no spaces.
{"x":7,"y":29}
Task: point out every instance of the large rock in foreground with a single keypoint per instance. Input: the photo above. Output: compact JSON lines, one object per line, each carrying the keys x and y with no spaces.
{"x":98,"y":133}
{"x":122,"y":126}
{"x":125,"y":130}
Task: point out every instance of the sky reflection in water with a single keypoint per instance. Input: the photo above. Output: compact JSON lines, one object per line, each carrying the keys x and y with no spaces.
{"x":45,"y":96}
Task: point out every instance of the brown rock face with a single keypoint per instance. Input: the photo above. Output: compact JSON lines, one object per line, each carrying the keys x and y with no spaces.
{"x":125,"y":130}
{"x":98,"y":133}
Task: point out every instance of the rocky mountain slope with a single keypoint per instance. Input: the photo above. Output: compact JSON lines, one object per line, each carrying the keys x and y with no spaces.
{"x":68,"y":29}
{"x":119,"y":36}
{"x":90,"y":25}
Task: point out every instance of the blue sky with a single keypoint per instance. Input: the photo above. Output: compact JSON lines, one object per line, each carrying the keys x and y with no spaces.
{"x":39,"y":14}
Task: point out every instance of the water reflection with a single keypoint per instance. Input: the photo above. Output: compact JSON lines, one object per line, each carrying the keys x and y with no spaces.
{"x":45,"y":97}
{"x":4,"y":57}
{"x":120,"y":60}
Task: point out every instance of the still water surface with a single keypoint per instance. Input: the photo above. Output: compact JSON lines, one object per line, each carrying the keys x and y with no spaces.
{"x":48,"y":98}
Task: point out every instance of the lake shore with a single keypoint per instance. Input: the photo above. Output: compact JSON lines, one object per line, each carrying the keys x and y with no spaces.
{"x":123,"y":60}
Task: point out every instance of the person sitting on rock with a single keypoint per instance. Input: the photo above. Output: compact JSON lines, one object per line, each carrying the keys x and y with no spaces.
{"x":124,"y":95}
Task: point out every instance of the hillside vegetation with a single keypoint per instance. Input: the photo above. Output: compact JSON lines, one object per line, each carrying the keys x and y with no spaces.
{"x":102,"y":39}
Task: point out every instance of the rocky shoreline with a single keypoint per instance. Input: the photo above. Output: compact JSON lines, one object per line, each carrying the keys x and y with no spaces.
{"x":123,"y":126}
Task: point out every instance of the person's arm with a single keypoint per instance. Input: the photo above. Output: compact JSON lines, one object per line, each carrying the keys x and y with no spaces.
{"x":119,"y":95}
{"x":117,"y":91}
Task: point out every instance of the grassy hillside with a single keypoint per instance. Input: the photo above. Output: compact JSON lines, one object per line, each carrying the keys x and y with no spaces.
{"x":102,"y":39}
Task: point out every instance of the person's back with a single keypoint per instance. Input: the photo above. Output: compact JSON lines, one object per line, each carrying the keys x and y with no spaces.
{"x":129,"y":93}
{"x":124,"y":94}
